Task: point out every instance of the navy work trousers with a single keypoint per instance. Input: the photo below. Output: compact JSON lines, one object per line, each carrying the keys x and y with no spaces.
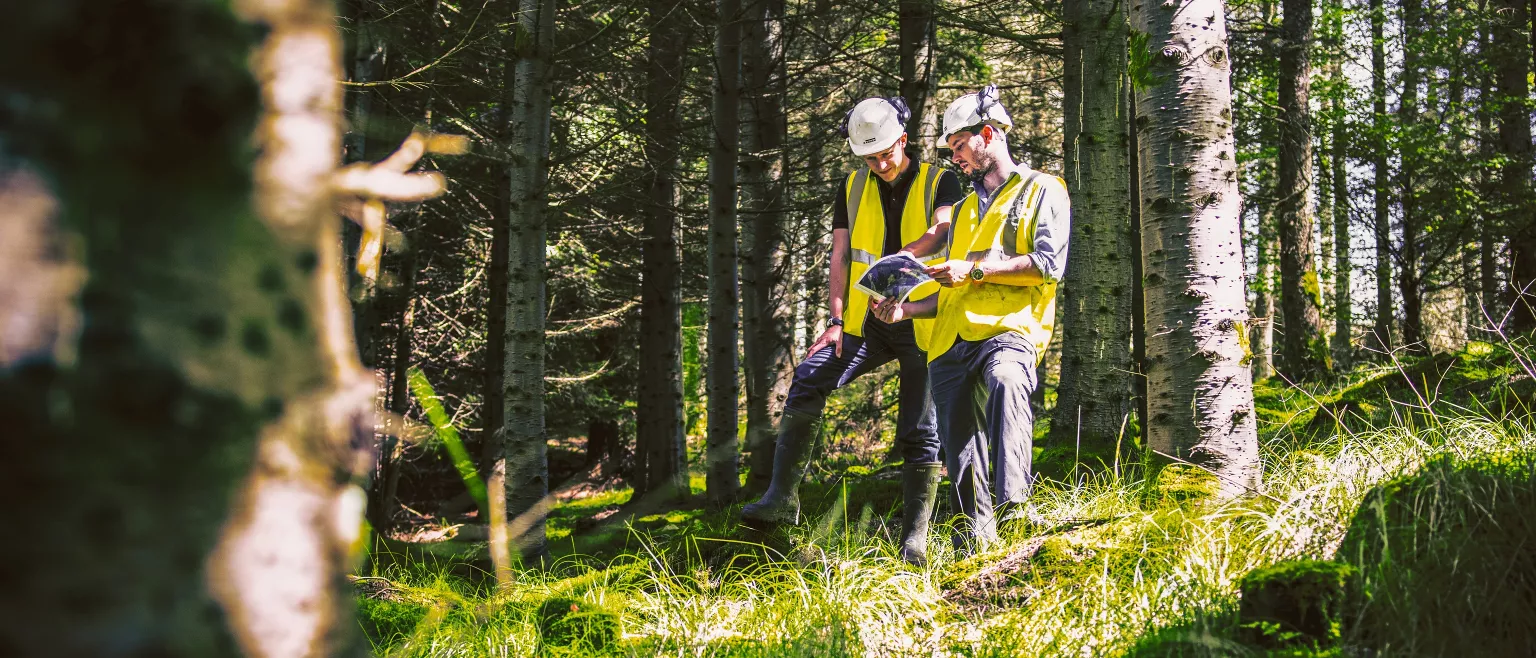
{"x":981,"y":391}
{"x":824,"y":372}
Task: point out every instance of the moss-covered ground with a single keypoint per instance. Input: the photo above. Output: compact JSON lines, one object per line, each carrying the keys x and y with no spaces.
{"x":1133,"y":560}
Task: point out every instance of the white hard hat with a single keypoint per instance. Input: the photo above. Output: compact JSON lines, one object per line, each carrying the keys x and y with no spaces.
{"x":875,"y":124}
{"x":971,"y":110}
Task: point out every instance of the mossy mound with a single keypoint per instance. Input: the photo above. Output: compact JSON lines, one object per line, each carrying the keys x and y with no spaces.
{"x":1295,"y":603}
{"x":571,"y":623}
{"x":385,"y":622}
{"x":1447,"y":561}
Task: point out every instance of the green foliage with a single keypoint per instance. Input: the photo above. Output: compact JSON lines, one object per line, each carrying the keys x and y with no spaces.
{"x":1141,"y":62}
{"x":387,"y":622}
{"x":1445,"y":559}
{"x":1298,"y":602}
{"x":574,"y":624}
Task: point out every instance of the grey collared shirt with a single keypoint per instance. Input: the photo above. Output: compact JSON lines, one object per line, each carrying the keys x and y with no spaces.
{"x":1053,"y":226}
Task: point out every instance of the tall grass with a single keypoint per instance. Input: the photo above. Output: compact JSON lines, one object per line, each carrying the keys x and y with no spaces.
{"x":1107,"y":561}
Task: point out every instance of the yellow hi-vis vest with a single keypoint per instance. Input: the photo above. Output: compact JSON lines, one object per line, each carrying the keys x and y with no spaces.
{"x":866,"y":237}
{"x":979,"y":311}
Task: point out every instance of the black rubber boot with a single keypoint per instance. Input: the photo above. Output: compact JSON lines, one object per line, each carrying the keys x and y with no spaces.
{"x":792,"y":452}
{"x":919,"y":489}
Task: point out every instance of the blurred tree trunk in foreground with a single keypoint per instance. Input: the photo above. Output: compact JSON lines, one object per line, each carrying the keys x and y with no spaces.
{"x":192,"y":419}
{"x":1200,"y":392}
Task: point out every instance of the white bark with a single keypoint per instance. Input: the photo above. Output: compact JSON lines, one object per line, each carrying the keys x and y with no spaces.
{"x":1201,"y":393}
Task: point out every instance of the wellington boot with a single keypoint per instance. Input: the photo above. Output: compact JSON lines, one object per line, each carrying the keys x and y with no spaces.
{"x":919,"y":489}
{"x":780,"y":504}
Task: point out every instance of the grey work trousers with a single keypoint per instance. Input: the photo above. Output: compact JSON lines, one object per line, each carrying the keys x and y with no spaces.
{"x":981,"y":394}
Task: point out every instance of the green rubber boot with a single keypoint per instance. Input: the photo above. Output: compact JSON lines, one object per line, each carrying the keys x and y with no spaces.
{"x":919,"y":489}
{"x":780,"y":504}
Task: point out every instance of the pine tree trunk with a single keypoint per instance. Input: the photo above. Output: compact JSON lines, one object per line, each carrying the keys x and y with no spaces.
{"x":1343,"y":309}
{"x":1305,"y":354}
{"x":1200,"y":391}
{"x":1409,"y":285}
{"x":519,"y":482}
{"x":1094,"y":396}
{"x":721,"y":445}
{"x":765,"y":264}
{"x":1489,"y":309}
{"x":660,"y":452}
{"x":1382,"y":202}
{"x":381,"y":506}
{"x":1517,"y":207}
{"x":916,"y":56}
{"x":1264,"y":311}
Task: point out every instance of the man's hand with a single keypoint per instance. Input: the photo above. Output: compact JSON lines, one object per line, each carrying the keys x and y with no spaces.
{"x":832,"y":336}
{"x":890,"y":312}
{"x":952,"y":273}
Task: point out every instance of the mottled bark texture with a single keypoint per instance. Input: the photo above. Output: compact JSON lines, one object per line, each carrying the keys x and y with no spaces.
{"x":184,"y":397}
{"x":660,"y":452}
{"x":1517,"y":207}
{"x":1306,"y":347}
{"x":1200,"y":388}
{"x":1094,"y":396}
{"x":916,"y":55}
{"x":766,"y":269}
{"x":1381,"y":223}
{"x":721,"y":445}
{"x":520,"y":476}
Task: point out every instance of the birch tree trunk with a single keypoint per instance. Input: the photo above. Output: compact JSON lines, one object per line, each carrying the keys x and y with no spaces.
{"x":518,"y":488}
{"x":1094,"y":396}
{"x":721,"y":450}
{"x":1409,"y":285}
{"x":660,"y":464}
{"x":765,"y":262}
{"x":1200,"y":390}
{"x":1382,"y":200}
{"x":1518,"y":208}
{"x":1306,"y":349}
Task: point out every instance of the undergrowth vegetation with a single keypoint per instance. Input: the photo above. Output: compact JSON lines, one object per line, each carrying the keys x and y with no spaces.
{"x":1137,"y":560}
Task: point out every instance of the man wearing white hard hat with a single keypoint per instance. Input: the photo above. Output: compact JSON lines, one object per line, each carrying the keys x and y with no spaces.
{"x":891,"y":204}
{"x":995,"y":314}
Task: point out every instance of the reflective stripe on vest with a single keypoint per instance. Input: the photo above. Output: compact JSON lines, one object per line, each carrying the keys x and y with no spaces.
{"x":866,"y":237}
{"x":980,"y":311}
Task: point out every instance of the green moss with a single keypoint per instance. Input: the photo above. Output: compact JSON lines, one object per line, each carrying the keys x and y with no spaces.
{"x":386,"y":622}
{"x":567,"y":622}
{"x":1300,"y":602}
{"x":1446,"y":561}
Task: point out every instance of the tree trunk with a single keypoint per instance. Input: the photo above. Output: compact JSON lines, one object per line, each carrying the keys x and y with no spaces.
{"x":1343,"y":310}
{"x":518,"y":489}
{"x":382,"y":504}
{"x":1489,"y":308}
{"x":721,"y":449}
{"x":1263,"y":340}
{"x":765,"y":266}
{"x":1382,"y":329}
{"x":1093,"y":398}
{"x":1201,"y":392}
{"x":917,"y":31}
{"x":1409,"y":275}
{"x":1512,"y":69}
{"x":1305,"y":355}
{"x":1138,"y":291}
{"x":660,"y":452}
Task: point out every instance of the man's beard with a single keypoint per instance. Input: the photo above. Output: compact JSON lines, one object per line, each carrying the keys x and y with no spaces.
{"x":986,"y":163}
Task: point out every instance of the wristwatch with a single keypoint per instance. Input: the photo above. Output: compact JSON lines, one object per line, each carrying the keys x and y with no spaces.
{"x":835,"y":322}
{"x":976,"y":272}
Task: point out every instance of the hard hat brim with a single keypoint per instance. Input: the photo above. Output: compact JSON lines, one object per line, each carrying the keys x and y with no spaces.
{"x":876,"y":147}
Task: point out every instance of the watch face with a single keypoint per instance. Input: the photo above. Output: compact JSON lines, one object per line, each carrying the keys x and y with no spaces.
{"x":976,"y":272}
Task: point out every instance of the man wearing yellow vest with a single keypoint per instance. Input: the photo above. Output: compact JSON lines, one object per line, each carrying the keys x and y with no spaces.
{"x":1008,"y":248}
{"x":893,"y":203}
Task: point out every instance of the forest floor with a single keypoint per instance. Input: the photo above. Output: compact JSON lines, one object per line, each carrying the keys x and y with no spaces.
{"x":1131,"y":560}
